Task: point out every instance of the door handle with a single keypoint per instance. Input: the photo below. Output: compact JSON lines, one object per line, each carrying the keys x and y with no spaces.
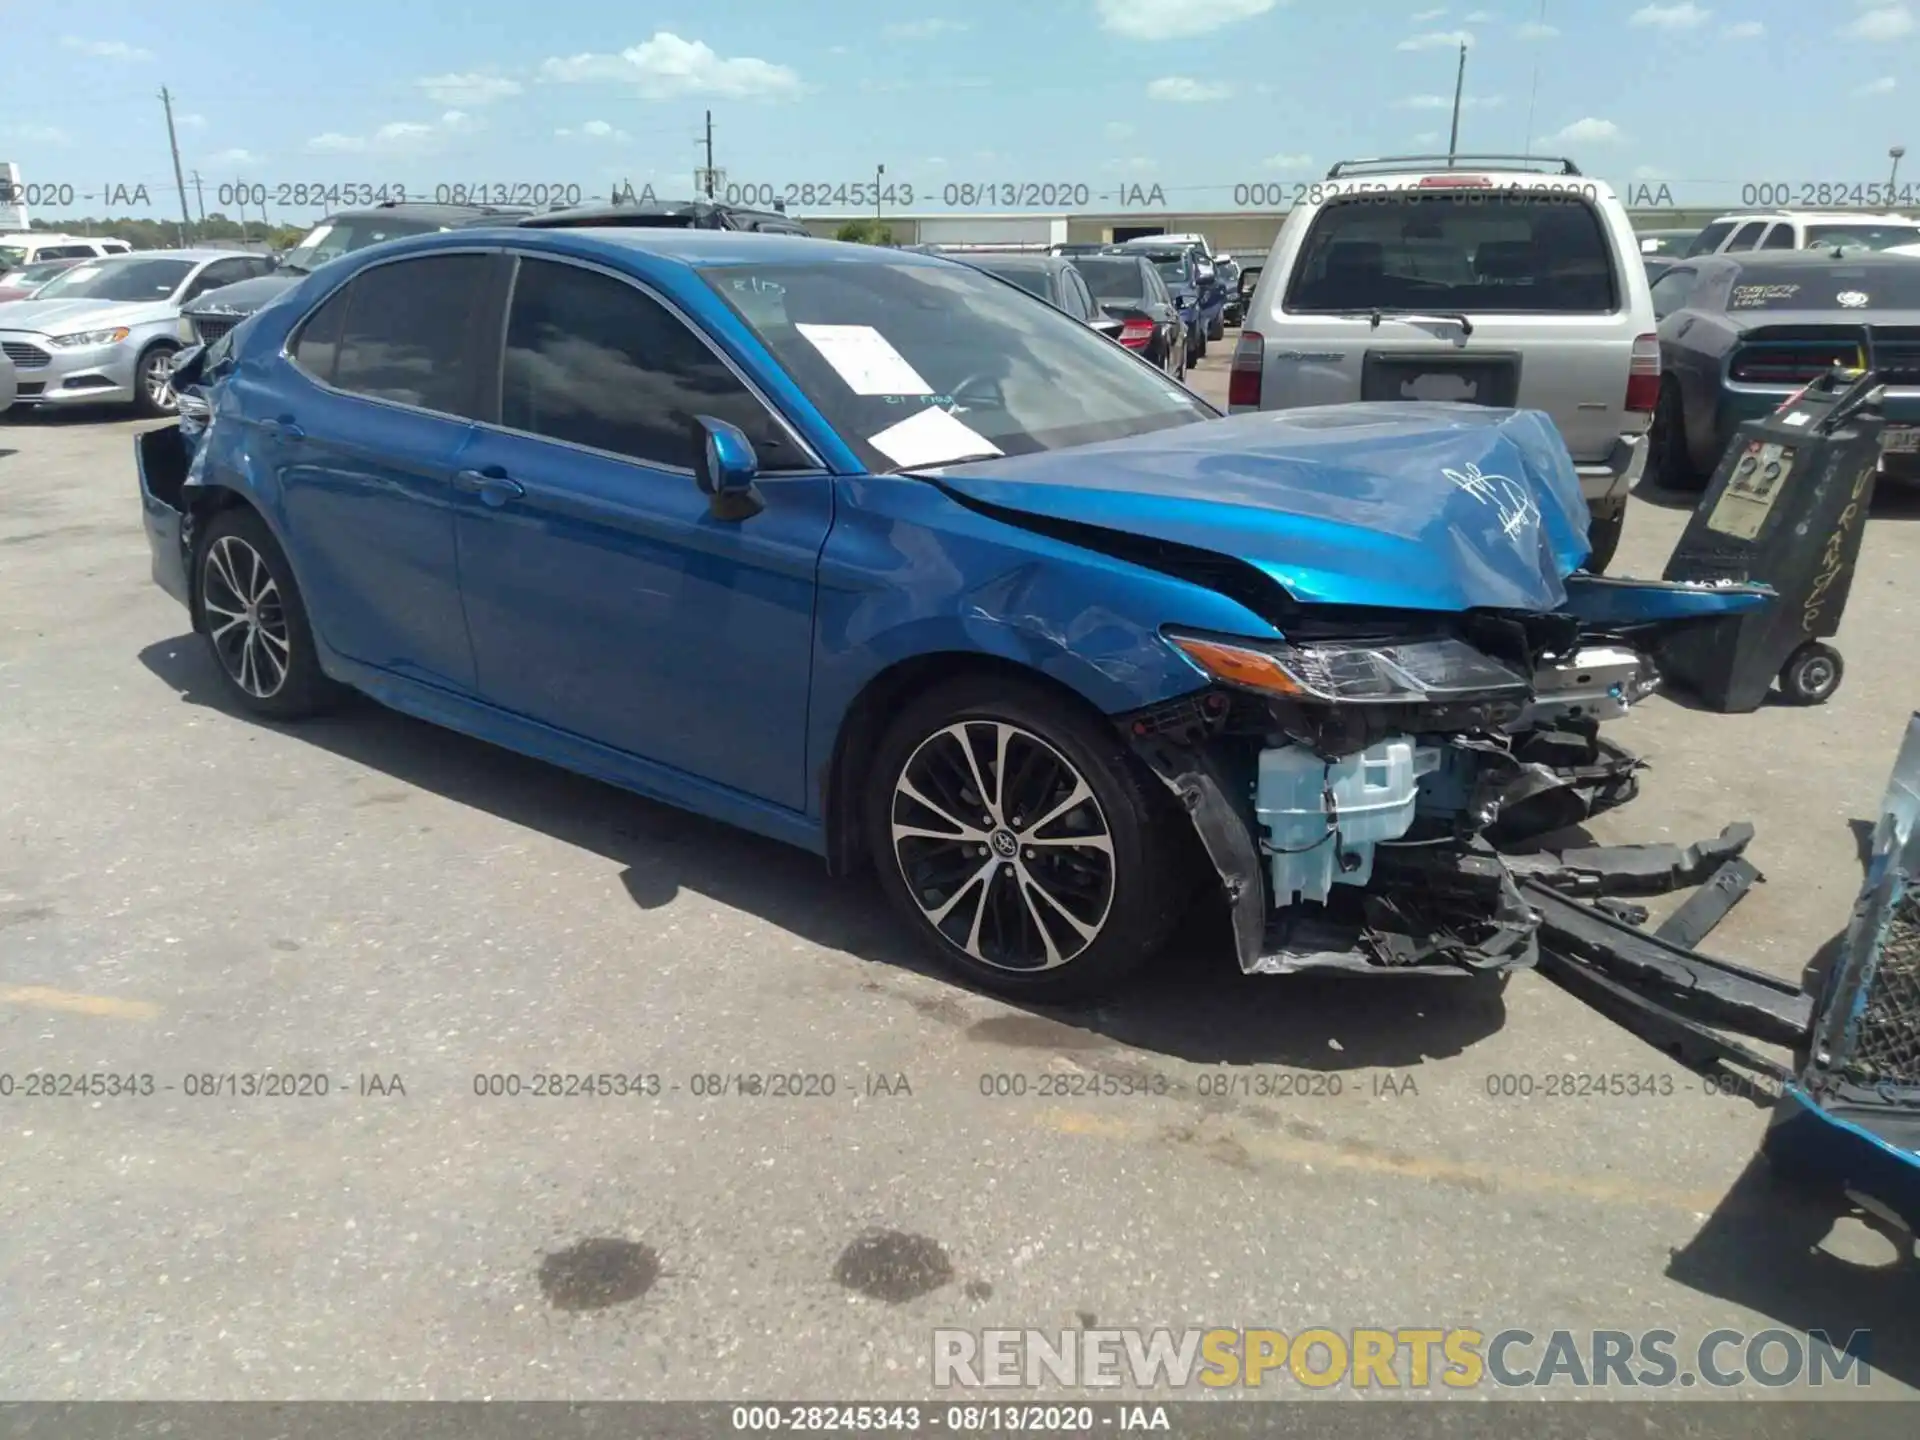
{"x":491,"y":488}
{"x":284,"y":427}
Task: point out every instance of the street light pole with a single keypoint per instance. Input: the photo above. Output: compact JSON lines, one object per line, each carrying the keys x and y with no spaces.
{"x":879,"y":174}
{"x":1897,"y":153}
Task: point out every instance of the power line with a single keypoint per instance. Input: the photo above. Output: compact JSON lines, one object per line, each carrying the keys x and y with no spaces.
{"x":179,"y":180}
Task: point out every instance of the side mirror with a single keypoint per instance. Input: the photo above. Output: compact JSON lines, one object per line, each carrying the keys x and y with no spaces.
{"x":725,"y":466}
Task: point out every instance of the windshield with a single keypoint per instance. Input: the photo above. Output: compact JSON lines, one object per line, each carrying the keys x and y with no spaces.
{"x":1174,"y":272}
{"x":1883,"y":285}
{"x":122,"y":278}
{"x":1112,"y":279}
{"x":333,"y":238}
{"x":1873,"y":236}
{"x":1031,"y":278}
{"x":1498,"y":252}
{"x":37,"y":274}
{"x":925,"y":364}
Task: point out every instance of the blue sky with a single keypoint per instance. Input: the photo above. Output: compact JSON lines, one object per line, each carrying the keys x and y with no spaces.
{"x":1197,"y":96}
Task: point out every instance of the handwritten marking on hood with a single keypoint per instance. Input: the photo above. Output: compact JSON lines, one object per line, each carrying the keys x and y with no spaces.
{"x":1516,"y":507}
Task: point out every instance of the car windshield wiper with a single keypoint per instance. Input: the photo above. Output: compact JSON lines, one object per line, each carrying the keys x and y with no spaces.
{"x":1378,"y":313}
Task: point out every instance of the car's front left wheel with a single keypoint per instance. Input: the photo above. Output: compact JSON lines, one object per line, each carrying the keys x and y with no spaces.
{"x":1021,"y":840}
{"x":153,"y":382}
{"x":254,"y":620}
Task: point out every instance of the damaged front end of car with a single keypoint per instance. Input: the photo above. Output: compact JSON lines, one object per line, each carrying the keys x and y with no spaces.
{"x":1352,"y":783}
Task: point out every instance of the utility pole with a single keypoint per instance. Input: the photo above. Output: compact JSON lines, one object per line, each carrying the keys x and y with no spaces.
{"x":1897,"y":153}
{"x":709,"y":155}
{"x":199,"y":198}
{"x":1459,"y":86}
{"x":179,"y":180}
{"x":879,"y":174}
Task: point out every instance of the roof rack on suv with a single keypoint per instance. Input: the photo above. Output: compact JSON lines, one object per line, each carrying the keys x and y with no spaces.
{"x":1390,"y":164}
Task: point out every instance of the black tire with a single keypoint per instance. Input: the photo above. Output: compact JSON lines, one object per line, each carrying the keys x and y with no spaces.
{"x":1603,"y":536}
{"x":147,"y":404}
{"x":1131,"y":909}
{"x":1812,"y":674}
{"x":1667,"y":454}
{"x":1218,"y":329}
{"x":236,"y":558}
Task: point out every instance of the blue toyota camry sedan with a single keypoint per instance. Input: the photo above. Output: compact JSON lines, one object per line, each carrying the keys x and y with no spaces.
{"x":878,"y":555}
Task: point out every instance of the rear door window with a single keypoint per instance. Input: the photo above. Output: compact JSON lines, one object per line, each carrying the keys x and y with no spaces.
{"x":408,"y":333}
{"x":1747,"y":236}
{"x":1491,"y":252}
{"x":1779,"y":237}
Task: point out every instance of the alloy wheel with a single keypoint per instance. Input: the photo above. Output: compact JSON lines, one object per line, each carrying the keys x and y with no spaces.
{"x":156,"y":379}
{"x":1003,"y":845}
{"x":245,"y":618}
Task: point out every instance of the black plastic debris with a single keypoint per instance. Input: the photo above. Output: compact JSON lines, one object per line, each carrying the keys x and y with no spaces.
{"x":1787,"y":508}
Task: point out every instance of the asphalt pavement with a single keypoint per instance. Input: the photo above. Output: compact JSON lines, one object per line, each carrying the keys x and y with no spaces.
{"x":407,"y":920}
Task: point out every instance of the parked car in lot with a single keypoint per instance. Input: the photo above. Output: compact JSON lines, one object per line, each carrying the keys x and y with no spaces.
{"x":1659,"y":249}
{"x":1739,"y":334}
{"x":107,"y":331}
{"x":869,"y":553}
{"x":1059,"y":283}
{"x":1188,"y":260}
{"x":1493,"y":283}
{"x":8,"y":383}
{"x":20,"y":283}
{"x":1129,"y":287}
{"x":30,"y":247}
{"x":216,"y":312}
{"x":1179,"y":271}
{"x":1797,"y":229}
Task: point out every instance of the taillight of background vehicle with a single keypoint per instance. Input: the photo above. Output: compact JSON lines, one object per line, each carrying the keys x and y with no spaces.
{"x":1135,"y":334}
{"x":1787,"y":358}
{"x":1243,"y":380}
{"x":1643,"y":375}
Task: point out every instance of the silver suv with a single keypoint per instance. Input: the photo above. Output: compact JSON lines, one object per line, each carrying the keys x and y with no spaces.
{"x":1497,"y":280}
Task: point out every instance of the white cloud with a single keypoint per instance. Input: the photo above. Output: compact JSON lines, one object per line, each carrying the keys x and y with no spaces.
{"x":1138,"y":165}
{"x":1175,"y":19}
{"x":1534,"y":30}
{"x":1184,"y":90}
{"x":1745,"y":30}
{"x":399,"y":137}
{"x":1445,"y":102}
{"x":105,"y":49}
{"x":935,"y":162}
{"x":235,"y":156}
{"x":1649,"y":172}
{"x":1685,"y":16}
{"x":667,"y":67}
{"x":191,"y":122}
{"x":1480,"y":17}
{"x":1427,"y":17}
{"x":594,"y":130}
{"x":1437,"y":40}
{"x":1882,"y":22}
{"x":473,"y":88}
{"x":838,"y":50}
{"x":1285,"y":162}
{"x":37,"y":134}
{"x":1885,"y":85}
{"x":924,"y":29}
{"x":1428,"y":137}
{"x":1587,"y":131}
{"x":1119,"y":130}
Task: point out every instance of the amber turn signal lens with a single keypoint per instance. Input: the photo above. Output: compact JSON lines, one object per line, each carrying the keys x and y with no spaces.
{"x":1249,"y":668}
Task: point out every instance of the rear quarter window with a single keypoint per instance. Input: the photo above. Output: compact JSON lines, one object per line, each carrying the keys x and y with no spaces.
{"x":1486,"y":252}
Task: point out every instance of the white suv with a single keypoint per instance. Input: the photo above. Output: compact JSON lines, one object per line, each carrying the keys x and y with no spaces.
{"x":1510,"y":281}
{"x":29,"y":247}
{"x":1797,"y":229}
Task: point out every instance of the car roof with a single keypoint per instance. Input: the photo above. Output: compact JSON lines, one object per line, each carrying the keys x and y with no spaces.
{"x":1789,"y":260}
{"x":1016,"y":258}
{"x":192,"y":253}
{"x":636,"y":214}
{"x":1825,"y":217}
{"x":697,"y":247}
{"x":432,"y":213}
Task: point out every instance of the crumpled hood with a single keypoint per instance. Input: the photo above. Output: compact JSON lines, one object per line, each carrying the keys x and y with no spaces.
{"x":1416,"y":506}
{"x":245,"y":296}
{"x":58,"y":317}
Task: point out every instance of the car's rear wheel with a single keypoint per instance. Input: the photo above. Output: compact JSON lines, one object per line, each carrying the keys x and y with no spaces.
{"x":1218,"y":329}
{"x":254,"y":620}
{"x":153,"y":381}
{"x":1667,"y":454}
{"x":1020,"y":840}
{"x":1603,"y":538}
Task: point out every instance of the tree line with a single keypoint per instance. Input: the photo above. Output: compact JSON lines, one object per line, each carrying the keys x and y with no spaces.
{"x":166,"y":234}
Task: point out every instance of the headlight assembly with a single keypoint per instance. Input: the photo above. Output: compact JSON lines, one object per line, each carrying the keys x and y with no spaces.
{"x":86,"y":339}
{"x":1358,"y":672}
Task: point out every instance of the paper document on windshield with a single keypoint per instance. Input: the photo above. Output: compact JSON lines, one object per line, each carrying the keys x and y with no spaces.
{"x":933,"y":437}
{"x":864,"y":359}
